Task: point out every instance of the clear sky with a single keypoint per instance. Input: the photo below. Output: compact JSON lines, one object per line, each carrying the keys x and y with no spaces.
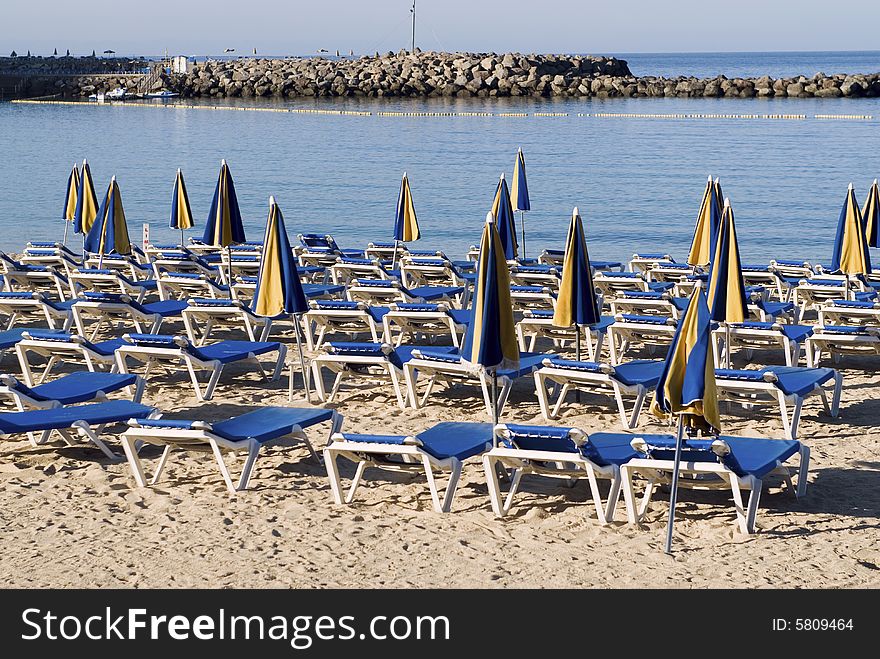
{"x":199,"y":27}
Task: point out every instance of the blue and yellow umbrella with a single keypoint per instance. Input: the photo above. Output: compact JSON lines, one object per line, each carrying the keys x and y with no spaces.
{"x":686,"y":388}
{"x":109,"y":232}
{"x":224,"y":226}
{"x":576,"y":303}
{"x":279,"y":291}
{"x":490,"y":341}
{"x":871,"y":215}
{"x":502,"y":211}
{"x":706,"y":229}
{"x":406,"y":224}
{"x":86,"y":202}
{"x":181,"y":214}
{"x":519,"y":193}
{"x":69,"y":213}
{"x":851,"y":256}
{"x":726,"y":295}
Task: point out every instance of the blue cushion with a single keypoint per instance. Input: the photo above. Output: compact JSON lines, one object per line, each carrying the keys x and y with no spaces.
{"x":227,"y":352}
{"x":78,"y":387}
{"x":63,"y":417}
{"x":452,"y":439}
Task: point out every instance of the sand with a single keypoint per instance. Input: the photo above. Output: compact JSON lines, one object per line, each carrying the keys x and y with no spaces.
{"x":71,"y":518}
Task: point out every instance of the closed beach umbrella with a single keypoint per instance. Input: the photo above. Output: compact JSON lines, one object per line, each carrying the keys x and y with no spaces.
{"x":181,"y":214}
{"x":279,"y":290}
{"x":850,"y":255}
{"x":69,"y":213}
{"x":519,"y":193}
{"x":406,"y":225}
{"x":502,"y":211}
{"x":224,"y":227}
{"x":86,"y":201}
{"x":871,"y":215}
{"x":576,"y":303}
{"x":109,"y":232}
{"x":686,"y":387}
{"x":490,"y":341}
{"x":707,"y":226}
{"x":726,"y":295}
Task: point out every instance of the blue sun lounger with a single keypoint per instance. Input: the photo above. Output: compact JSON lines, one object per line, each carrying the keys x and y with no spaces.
{"x":385,"y":291}
{"x":443,"y":448}
{"x":174,"y":351}
{"x":566,"y":453}
{"x":637,"y":378}
{"x":523,"y":298}
{"x":70,"y":389}
{"x":247,"y":432}
{"x":753,"y":335}
{"x":86,"y":420}
{"x":647,"y":331}
{"x":245,"y":286}
{"x":839,"y":340}
{"x":374,"y":362}
{"x":26,"y":306}
{"x":184,"y":285}
{"x":342,"y":317}
{"x":424,"y":321}
{"x":737,"y":463}
{"x":782,"y":385}
{"x":202,"y":315}
{"x":106,"y":308}
{"x":850,"y":312}
{"x":107,"y":280}
{"x":644,"y":261}
{"x":58,"y":346}
{"x":444,"y":366}
{"x":347,"y":269}
{"x":538,"y":323}
{"x":649,"y":303}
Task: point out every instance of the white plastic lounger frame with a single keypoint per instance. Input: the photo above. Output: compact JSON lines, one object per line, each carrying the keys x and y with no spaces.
{"x":421,"y":323}
{"x":625,"y":334}
{"x":36,"y":307}
{"x":105,"y":312}
{"x":533,"y":327}
{"x":750,"y":393}
{"x":153,"y":355}
{"x":199,"y":437}
{"x":201,"y":319}
{"x":752,"y":339}
{"x":374,"y":368}
{"x":77,"y":348}
{"x":413,"y":459}
{"x":172,"y":286}
{"x":837,"y":344}
{"x":643,"y":263}
{"x":554,"y":464}
{"x":106,"y":282}
{"x":707,"y":476}
{"x":602,"y":384}
{"x":320,"y":321}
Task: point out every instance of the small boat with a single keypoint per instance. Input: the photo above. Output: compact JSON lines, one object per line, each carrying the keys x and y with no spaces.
{"x":162,"y":94}
{"x":117,"y":94}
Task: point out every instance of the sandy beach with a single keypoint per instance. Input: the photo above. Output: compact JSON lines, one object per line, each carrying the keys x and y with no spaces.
{"x":71,"y":518}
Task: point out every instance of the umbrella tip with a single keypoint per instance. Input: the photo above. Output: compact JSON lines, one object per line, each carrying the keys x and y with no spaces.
{"x":502,"y":176}
{"x":113,"y":179}
{"x":85,"y":162}
{"x":271,"y":200}
{"x":178,"y":170}
{"x":710,"y":178}
{"x":727,"y":202}
{"x":850,"y":186}
{"x":404,"y":175}
{"x":222,"y":162}
{"x":717,"y":180}
{"x":489,"y":217}
{"x":875,"y":181}
{"x":575,"y":211}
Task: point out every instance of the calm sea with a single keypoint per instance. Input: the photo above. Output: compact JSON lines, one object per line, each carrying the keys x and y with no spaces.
{"x":637,"y":181}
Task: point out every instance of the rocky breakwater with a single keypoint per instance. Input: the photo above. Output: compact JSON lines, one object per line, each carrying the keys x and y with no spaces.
{"x":403,"y":74}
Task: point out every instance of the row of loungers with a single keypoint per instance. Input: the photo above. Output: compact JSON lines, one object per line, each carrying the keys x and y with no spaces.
{"x":514,"y":451}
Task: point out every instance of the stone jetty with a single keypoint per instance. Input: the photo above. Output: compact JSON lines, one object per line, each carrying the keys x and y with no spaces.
{"x":434,"y":74}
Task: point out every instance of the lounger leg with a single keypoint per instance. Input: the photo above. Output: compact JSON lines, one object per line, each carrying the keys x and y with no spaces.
{"x":451,"y":486}
{"x":398,"y":390}
{"x":741,"y":513}
{"x":410,"y":376}
{"x":279,"y":365}
{"x":613,"y":495}
{"x":247,"y":470}
{"x":429,"y":387}
{"x":511,"y":491}
{"x":803,"y":470}
{"x":336,"y":383}
{"x":541,"y":392}
{"x":86,"y":431}
{"x":134,"y":461}
{"x":224,"y":471}
{"x":838,"y":389}
{"x":783,"y":413}
{"x":504,"y":394}
{"x":333,"y":474}
{"x":163,"y":462}
{"x":795,"y":417}
{"x":195,"y":380}
{"x":432,"y":484}
{"x":490,"y":467}
{"x":560,"y":400}
{"x":629,"y":497}
{"x":358,"y":474}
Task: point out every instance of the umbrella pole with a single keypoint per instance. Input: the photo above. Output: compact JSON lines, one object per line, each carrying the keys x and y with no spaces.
{"x":302,"y":361}
{"x":66,"y":227}
{"x":523,"y":222}
{"x":577,"y":354}
{"x":181,"y":239}
{"x":673,"y":495}
{"x":229,"y":271}
{"x":494,"y":398}
{"x":727,"y":358}
{"x":394,"y":255}
{"x":846,"y":287}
